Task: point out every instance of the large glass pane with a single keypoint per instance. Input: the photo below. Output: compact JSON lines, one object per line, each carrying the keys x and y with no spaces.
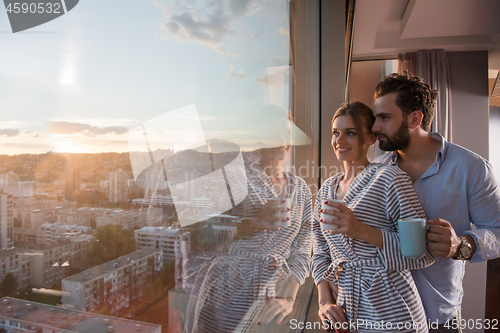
{"x":148,"y":167}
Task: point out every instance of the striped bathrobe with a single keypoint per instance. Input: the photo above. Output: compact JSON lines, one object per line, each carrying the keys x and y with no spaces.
{"x":375,"y":284}
{"x":231,"y":290}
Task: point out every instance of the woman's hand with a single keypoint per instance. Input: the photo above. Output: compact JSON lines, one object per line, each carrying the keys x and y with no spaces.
{"x":269,"y":217}
{"x":282,"y":305}
{"x":277,"y":308}
{"x":329,"y":314}
{"x":349,"y":225}
{"x":272,"y":214}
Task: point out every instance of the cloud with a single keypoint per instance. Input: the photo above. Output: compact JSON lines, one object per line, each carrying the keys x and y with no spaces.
{"x":210,"y":23}
{"x":64,"y":127}
{"x":254,"y":36}
{"x":242,"y":7}
{"x":102,"y":122}
{"x":11,"y":123}
{"x":239,"y":74}
{"x":276,"y":60}
{"x":209,"y":30}
{"x":277,"y":77}
{"x":283,"y":31}
{"x":9,"y":132}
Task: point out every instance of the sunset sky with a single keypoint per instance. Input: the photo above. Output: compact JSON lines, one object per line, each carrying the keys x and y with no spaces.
{"x":84,"y":81}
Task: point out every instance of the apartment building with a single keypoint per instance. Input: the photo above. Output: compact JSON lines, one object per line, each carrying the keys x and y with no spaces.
{"x":24,"y":236}
{"x":81,"y":245}
{"x":23,"y":316}
{"x":131,"y":219}
{"x":49,"y":233}
{"x":118,"y":186}
{"x":25,"y":205}
{"x":73,"y":182}
{"x":156,"y":200}
{"x":50,"y":262}
{"x":94,"y":212}
{"x":8,"y":178}
{"x":113,"y":285}
{"x":31,"y":220}
{"x":6,"y":221}
{"x":9,"y":183}
{"x":79,"y":217}
{"x":17,"y":263}
{"x":173,"y":242}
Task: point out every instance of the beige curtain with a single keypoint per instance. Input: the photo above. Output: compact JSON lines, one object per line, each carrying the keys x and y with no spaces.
{"x":432,"y":67}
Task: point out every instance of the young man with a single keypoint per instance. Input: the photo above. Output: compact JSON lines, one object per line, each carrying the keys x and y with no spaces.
{"x":455,"y":186}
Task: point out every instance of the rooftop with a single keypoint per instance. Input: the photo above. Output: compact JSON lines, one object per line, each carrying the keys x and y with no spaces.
{"x":52,"y":317}
{"x":110,"y":266}
{"x":159,"y":230}
{"x":8,"y":252}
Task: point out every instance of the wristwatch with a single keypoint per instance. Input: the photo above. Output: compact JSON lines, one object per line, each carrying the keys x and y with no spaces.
{"x":465,"y":249}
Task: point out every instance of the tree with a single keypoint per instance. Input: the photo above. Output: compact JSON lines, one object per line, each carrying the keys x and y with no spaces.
{"x":93,"y":223}
{"x":8,"y":287}
{"x":110,"y":242}
{"x":103,"y":311}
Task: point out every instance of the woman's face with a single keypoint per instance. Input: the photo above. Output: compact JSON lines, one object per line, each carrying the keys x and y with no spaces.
{"x":278,"y":153}
{"x":282,"y":138}
{"x":345,"y":140}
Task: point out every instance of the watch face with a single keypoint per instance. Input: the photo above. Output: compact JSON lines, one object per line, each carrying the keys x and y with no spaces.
{"x":465,"y":249}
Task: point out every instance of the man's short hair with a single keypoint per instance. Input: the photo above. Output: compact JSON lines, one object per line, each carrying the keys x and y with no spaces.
{"x":412,"y":94}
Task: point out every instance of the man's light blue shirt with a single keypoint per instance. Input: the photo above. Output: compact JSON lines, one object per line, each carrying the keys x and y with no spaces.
{"x":459,"y":187}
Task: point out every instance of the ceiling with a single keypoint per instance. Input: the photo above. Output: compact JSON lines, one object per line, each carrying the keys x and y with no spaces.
{"x":384,"y":28}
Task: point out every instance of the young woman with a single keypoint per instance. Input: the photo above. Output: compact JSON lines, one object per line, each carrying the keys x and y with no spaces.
{"x":364,"y":283}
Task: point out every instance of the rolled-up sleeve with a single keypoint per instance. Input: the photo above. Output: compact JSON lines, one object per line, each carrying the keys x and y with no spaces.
{"x":484,"y":212}
{"x":322,"y":259}
{"x":300,"y":258}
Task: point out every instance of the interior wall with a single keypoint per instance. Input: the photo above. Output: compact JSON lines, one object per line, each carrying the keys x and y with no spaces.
{"x":494,"y":138}
{"x":469,"y":89}
{"x":365,"y":75}
{"x":493,"y":271}
{"x":305,"y":34}
{"x":469,"y":84}
{"x":332,"y":78}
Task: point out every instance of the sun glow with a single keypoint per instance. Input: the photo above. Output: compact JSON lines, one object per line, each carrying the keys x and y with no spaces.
{"x":61,"y":144}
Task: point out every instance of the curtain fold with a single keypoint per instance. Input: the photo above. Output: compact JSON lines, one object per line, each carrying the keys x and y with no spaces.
{"x":432,"y":66}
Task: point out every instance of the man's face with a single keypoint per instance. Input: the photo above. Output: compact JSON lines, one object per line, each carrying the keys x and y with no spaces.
{"x":390,"y":127}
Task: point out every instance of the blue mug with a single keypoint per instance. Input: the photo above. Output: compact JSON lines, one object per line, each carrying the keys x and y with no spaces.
{"x":413,"y":237}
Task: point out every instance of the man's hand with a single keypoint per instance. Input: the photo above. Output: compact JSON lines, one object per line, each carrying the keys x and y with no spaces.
{"x":443,"y":241}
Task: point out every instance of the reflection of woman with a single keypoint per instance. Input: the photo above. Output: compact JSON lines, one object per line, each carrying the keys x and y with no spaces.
{"x":362,"y":258}
{"x":256,"y":280}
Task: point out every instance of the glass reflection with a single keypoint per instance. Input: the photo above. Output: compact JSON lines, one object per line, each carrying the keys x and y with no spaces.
{"x":161,"y":127}
{"x":246,"y":265}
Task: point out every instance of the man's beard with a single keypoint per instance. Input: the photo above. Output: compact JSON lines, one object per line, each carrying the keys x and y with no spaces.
{"x":399,"y":140}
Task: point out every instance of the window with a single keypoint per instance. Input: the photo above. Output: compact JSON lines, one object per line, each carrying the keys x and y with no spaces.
{"x":365,"y":75}
{"x":204,"y":80}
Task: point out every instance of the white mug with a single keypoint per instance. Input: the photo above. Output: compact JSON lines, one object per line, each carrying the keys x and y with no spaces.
{"x":330,"y":226}
{"x":284,"y":222}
